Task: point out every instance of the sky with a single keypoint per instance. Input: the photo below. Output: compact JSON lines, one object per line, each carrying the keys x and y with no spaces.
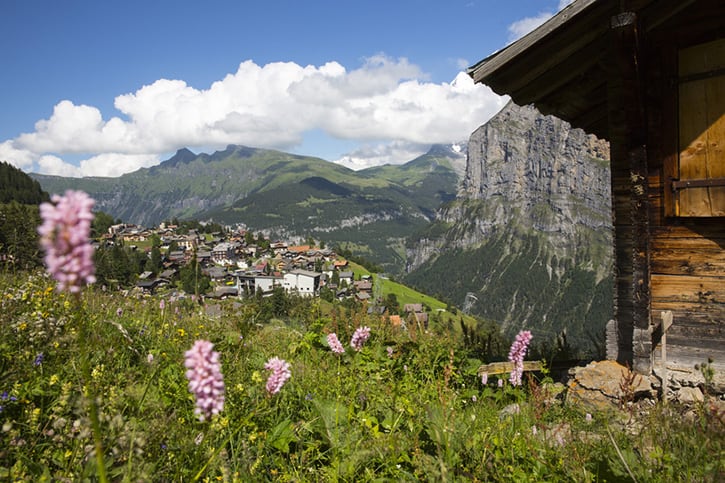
{"x":96,"y":88}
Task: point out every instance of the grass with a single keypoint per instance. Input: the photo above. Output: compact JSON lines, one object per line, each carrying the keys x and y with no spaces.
{"x":407,"y":407}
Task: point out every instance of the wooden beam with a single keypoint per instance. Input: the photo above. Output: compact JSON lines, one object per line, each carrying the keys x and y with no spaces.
{"x":496,"y":368}
{"x":492,"y":63}
{"x":627,"y":136}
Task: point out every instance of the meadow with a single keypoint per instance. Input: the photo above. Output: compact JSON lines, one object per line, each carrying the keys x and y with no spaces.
{"x":93,"y":387}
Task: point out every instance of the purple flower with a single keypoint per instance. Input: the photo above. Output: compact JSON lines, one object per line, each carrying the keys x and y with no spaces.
{"x":500,"y":383}
{"x":64,"y":235}
{"x":359,"y":337}
{"x":38,"y":359}
{"x":205,"y":379}
{"x":517,"y":354}
{"x":280,"y":374}
{"x":119,"y":311}
{"x":162,"y":305}
{"x":484,"y":378}
{"x":335,"y":344}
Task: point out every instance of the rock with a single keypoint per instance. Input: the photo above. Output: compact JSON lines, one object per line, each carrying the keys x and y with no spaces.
{"x":690,"y":395}
{"x":605,"y":385}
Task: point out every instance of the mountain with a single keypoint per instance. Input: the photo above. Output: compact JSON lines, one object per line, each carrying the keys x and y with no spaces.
{"x":528,"y":241}
{"x":371,"y":211}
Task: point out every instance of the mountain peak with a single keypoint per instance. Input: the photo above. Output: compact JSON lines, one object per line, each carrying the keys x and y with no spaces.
{"x":450,"y":150}
{"x":183,"y":155}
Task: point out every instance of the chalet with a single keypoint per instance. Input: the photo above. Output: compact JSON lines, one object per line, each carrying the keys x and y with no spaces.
{"x":412,"y":308}
{"x":649,"y":77}
{"x":346,"y":277}
{"x":363,"y":286}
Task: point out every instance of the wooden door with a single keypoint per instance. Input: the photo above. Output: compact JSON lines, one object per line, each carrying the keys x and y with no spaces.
{"x":700,"y":187}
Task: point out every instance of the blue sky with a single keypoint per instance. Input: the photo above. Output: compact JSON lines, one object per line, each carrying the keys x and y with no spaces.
{"x":103,"y":88}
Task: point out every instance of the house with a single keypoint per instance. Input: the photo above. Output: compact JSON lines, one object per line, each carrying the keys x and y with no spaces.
{"x":408,"y":308}
{"x":267,"y":283}
{"x":302,"y":282}
{"x":223,"y":253}
{"x":346,"y":277}
{"x":649,"y":77}
{"x":363,"y":286}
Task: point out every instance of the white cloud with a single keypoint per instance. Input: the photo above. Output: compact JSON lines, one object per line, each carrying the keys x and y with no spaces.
{"x":272,"y":106}
{"x":522,"y":27}
{"x":19,"y":158}
{"x":115,"y":164}
{"x":50,"y":164}
{"x":369,"y":155}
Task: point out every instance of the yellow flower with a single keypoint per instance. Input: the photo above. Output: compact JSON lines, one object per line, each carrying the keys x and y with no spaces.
{"x":97,"y":371}
{"x":182,"y":332}
{"x":53,"y":379}
{"x":257,"y":377}
{"x":23,"y":326}
{"x":56,"y":344}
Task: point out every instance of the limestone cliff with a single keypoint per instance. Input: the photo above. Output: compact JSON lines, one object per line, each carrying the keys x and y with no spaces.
{"x":530,"y":233}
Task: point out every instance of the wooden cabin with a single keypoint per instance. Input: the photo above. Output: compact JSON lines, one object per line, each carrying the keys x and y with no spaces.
{"x":649,"y":77}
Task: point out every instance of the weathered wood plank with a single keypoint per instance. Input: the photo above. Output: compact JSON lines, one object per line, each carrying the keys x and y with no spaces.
{"x":688,"y":356}
{"x":688,"y":288}
{"x":495,"y":368}
{"x":692,"y":314}
{"x":682,"y":261}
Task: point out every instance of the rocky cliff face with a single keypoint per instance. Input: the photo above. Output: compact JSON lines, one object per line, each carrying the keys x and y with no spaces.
{"x":534,"y":202}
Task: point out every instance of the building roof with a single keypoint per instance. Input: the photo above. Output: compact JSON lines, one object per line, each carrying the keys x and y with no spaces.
{"x":561,"y":67}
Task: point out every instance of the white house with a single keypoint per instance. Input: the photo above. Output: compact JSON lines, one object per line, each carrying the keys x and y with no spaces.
{"x":302,"y":282}
{"x":267,"y":282}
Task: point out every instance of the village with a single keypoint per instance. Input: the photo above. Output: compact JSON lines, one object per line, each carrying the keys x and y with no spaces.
{"x":240,"y":265}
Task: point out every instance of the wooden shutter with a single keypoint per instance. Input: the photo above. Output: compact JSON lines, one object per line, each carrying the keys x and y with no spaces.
{"x":700,"y":185}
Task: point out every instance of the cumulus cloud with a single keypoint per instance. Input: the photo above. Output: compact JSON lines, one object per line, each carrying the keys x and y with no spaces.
{"x":384,"y":101}
{"x":522,"y":27}
{"x":376,"y":154}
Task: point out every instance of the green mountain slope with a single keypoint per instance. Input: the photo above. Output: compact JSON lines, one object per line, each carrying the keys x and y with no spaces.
{"x":285,"y":195}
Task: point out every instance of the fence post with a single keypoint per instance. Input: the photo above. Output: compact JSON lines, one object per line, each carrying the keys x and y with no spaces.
{"x":666,"y":323}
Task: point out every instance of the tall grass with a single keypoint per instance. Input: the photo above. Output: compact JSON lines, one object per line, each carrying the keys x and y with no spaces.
{"x":416,"y":411}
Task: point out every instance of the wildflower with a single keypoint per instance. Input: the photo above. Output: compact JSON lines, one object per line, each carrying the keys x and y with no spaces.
{"x":359,"y":337}
{"x":500,"y":383}
{"x":150,"y":358}
{"x":390,"y":351}
{"x":474,"y":398}
{"x":205,"y":379}
{"x":484,"y":378}
{"x":588,"y":418}
{"x":119,"y":311}
{"x":38,"y":359}
{"x":517,"y":354}
{"x":280,"y":374}
{"x":534,"y":430}
{"x":335,"y":344}
{"x":162,"y":305}
{"x":65,"y":236}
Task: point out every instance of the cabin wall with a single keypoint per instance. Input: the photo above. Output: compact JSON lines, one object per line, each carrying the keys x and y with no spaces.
{"x":687,"y":255}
